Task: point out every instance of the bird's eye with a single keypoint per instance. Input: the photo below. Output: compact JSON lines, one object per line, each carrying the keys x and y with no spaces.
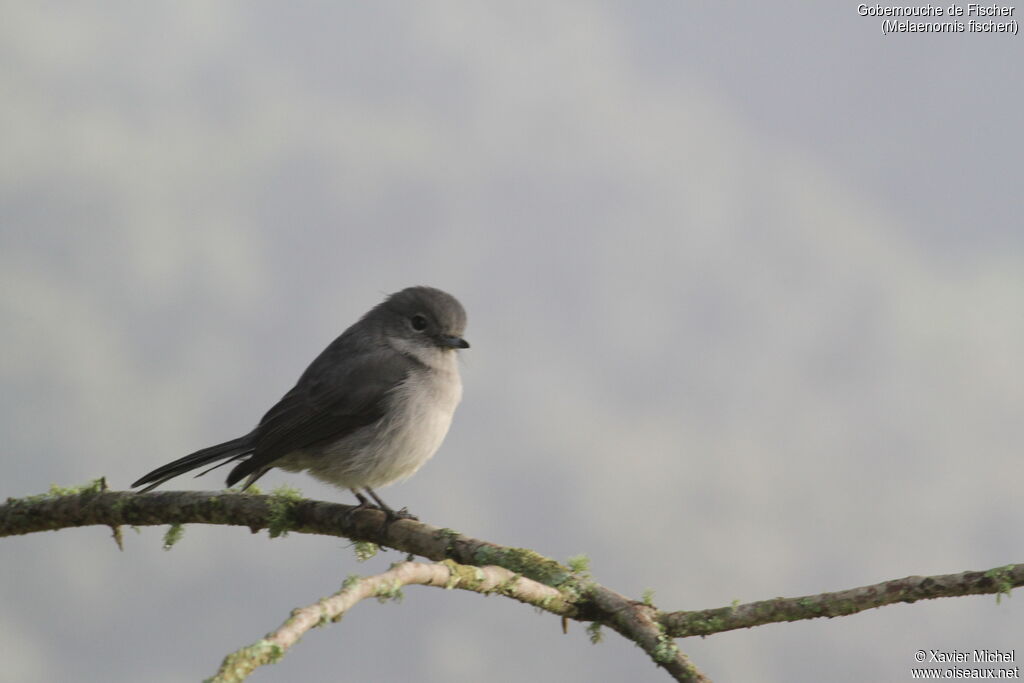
{"x":418,"y":322}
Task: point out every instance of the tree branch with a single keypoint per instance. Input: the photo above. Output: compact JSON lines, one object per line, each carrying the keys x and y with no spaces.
{"x":579,"y":597}
{"x":1000,"y":580}
{"x":387,"y":585}
{"x":286,"y":511}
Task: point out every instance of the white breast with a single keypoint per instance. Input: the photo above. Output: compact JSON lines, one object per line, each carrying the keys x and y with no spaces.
{"x":393,"y":449}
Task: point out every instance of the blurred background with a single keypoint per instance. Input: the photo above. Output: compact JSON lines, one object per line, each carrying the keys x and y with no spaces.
{"x":745,"y":293}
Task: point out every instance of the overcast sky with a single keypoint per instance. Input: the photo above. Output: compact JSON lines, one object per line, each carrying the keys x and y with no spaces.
{"x":745,"y":290}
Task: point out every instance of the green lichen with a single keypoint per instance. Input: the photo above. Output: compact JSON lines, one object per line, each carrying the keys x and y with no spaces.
{"x":465,"y":576}
{"x":288,"y":492}
{"x":364,"y":550}
{"x":448,"y":536}
{"x":524,"y":561}
{"x":809,"y":606}
{"x":251,"y":489}
{"x":579,"y":565}
{"x":94,"y":486}
{"x":117,"y":507}
{"x":594,"y":632}
{"x":28,"y":500}
{"x":648,"y":597}
{"x":509,"y":586}
{"x":474,"y":578}
{"x":389,"y":592}
{"x":707,"y":626}
{"x":238,"y":665}
{"x":666,"y":650}
{"x":173,"y":535}
{"x":453,"y":578}
{"x":282,"y":502}
{"x":1002,"y":580}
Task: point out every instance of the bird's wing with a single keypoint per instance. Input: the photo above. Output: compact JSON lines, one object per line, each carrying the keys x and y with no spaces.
{"x":342,"y":390}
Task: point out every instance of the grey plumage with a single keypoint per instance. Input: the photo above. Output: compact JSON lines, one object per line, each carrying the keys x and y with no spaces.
{"x":368,"y":411}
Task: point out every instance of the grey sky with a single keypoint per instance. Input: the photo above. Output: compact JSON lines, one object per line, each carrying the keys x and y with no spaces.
{"x":745,"y":294}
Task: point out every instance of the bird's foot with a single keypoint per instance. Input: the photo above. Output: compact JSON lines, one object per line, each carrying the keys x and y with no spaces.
{"x":364,"y":504}
{"x":392,"y":515}
{"x":404,"y":513}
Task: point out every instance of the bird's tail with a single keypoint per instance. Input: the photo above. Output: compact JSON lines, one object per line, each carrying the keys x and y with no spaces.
{"x":225,"y":452}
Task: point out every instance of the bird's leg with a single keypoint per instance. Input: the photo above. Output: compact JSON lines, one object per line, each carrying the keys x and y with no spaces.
{"x":392,"y":515}
{"x":364,"y":504}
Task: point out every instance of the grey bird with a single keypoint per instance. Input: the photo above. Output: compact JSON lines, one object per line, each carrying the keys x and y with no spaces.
{"x":370,"y":410}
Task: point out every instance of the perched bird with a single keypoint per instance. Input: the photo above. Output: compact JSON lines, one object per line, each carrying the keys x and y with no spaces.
{"x":368,"y":411}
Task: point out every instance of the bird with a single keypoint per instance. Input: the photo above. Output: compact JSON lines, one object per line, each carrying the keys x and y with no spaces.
{"x":370,"y":410}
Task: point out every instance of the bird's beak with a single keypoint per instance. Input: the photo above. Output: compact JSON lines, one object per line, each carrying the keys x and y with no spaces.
{"x":452,"y":342}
